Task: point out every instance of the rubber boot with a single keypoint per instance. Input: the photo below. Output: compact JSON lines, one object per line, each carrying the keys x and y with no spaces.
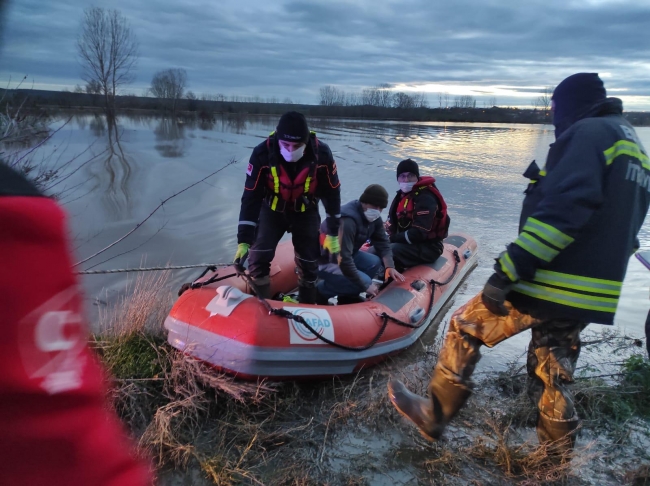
{"x":430,"y":415}
{"x":558,"y":435}
{"x":307,"y":295}
{"x":264,"y":290}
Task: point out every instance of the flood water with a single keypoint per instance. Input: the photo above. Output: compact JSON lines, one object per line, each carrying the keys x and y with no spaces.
{"x":478,"y":168}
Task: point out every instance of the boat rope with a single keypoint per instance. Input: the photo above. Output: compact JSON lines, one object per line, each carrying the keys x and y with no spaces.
{"x":386,"y":318}
{"x":151,"y":269}
{"x":433,"y":284}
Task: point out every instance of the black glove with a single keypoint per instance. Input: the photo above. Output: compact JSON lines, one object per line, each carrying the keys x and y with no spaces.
{"x":494,"y":294}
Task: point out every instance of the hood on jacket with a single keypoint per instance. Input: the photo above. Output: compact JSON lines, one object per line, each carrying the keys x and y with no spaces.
{"x":574,"y":98}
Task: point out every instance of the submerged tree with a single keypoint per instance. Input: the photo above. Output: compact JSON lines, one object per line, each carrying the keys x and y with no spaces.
{"x":169,"y":85}
{"x":108,"y":50}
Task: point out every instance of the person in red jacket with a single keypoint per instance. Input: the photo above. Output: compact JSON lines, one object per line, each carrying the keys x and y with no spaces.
{"x":417,"y":220}
{"x":55,"y":427}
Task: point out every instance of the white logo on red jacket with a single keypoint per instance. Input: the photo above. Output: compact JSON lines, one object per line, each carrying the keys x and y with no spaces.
{"x":52,"y":343}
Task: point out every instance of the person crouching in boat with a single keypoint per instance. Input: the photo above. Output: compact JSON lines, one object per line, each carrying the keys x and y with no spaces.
{"x":353,"y":274}
{"x":287,"y":175}
{"x":578,"y":226}
{"x":417,"y":219}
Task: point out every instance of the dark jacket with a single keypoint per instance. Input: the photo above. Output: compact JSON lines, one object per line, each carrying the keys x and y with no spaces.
{"x":580,"y":219}
{"x":354,"y":231}
{"x":256,"y":189}
{"x":417,"y":230}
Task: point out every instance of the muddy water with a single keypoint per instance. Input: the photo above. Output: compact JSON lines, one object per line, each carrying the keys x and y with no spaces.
{"x":478,"y":168}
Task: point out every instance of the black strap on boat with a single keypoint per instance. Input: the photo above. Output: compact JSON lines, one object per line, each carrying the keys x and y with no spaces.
{"x":433,"y":284}
{"x":197,"y":285}
{"x":386,"y":318}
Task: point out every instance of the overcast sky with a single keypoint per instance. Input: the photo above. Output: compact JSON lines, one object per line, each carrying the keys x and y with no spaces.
{"x":508,"y":49}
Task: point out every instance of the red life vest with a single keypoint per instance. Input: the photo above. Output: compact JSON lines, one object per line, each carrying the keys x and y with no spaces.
{"x":405,"y":209}
{"x":284,"y":192}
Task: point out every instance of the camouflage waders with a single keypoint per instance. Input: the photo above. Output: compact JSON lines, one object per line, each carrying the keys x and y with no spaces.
{"x":552,"y":357}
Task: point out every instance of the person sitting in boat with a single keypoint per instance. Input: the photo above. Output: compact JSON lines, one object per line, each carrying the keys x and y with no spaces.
{"x":417,"y":219}
{"x":287,"y":175}
{"x":360,"y":222}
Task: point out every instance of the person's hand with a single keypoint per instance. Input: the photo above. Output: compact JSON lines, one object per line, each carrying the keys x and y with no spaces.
{"x":494,"y":294}
{"x":394,"y":274}
{"x":373,"y":290}
{"x":331,"y":244}
{"x":242,"y":253}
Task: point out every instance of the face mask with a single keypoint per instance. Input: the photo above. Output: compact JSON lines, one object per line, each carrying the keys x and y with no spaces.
{"x":406,"y":186}
{"x":294,"y":156}
{"x":372,"y":214}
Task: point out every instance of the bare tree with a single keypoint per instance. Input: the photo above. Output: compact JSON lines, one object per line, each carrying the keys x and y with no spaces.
{"x":385,"y":95}
{"x":169,"y":85}
{"x":93,"y":87}
{"x":543,"y":101}
{"x":108,"y":50}
{"x":465,"y":101}
{"x":403,"y":100}
{"x":332,"y":96}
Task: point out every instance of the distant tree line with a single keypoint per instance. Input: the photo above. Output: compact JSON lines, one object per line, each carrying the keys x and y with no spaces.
{"x":381,"y":96}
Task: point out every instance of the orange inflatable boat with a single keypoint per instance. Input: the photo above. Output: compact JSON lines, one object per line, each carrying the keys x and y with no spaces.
{"x":219,"y":321}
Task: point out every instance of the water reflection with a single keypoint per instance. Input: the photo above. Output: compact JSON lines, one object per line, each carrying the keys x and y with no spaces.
{"x":170,"y":135}
{"x":114,"y":172}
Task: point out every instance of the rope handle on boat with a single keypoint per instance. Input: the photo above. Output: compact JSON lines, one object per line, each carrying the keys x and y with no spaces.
{"x":433,"y":284}
{"x":197,"y":285}
{"x":241,"y":272}
{"x":289,"y":315}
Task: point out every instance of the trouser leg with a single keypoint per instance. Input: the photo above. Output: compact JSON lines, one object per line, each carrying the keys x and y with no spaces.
{"x":407,"y":256}
{"x":368,"y":264}
{"x":305,"y":229}
{"x":552,"y":357}
{"x":272,"y":225}
{"x":470,"y":327}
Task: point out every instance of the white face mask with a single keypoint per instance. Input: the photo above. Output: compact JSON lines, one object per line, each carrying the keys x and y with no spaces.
{"x":294,"y":156}
{"x":406,"y":186}
{"x":372,"y":214}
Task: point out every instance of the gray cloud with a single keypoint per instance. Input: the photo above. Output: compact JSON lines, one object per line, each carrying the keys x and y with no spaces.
{"x":292,"y":48}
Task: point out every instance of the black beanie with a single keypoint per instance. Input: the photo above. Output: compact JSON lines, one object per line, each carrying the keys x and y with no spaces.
{"x":375,"y":195}
{"x":408,"y":165}
{"x":292,"y":127}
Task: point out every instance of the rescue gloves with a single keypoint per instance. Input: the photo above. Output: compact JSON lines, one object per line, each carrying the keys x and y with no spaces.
{"x":242,"y":253}
{"x":331,"y":244}
{"x":495,"y":292}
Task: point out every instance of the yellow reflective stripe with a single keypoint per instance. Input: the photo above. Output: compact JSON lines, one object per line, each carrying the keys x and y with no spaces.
{"x":307,"y":184}
{"x":564,"y":297}
{"x":302,"y":208}
{"x":536,"y":247}
{"x":276,"y":180}
{"x":577,"y":282}
{"x":548,"y":233}
{"x":508,"y":267}
{"x":626,"y":147}
{"x":274,"y":204}
{"x":542,"y":172}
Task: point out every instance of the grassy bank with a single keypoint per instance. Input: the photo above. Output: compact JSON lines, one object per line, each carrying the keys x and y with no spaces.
{"x":201,"y":427}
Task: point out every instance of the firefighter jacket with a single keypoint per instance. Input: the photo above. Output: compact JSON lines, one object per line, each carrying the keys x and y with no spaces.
{"x":580,"y":219}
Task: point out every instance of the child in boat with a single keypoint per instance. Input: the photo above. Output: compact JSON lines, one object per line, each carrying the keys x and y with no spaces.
{"x":360,"y":222}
